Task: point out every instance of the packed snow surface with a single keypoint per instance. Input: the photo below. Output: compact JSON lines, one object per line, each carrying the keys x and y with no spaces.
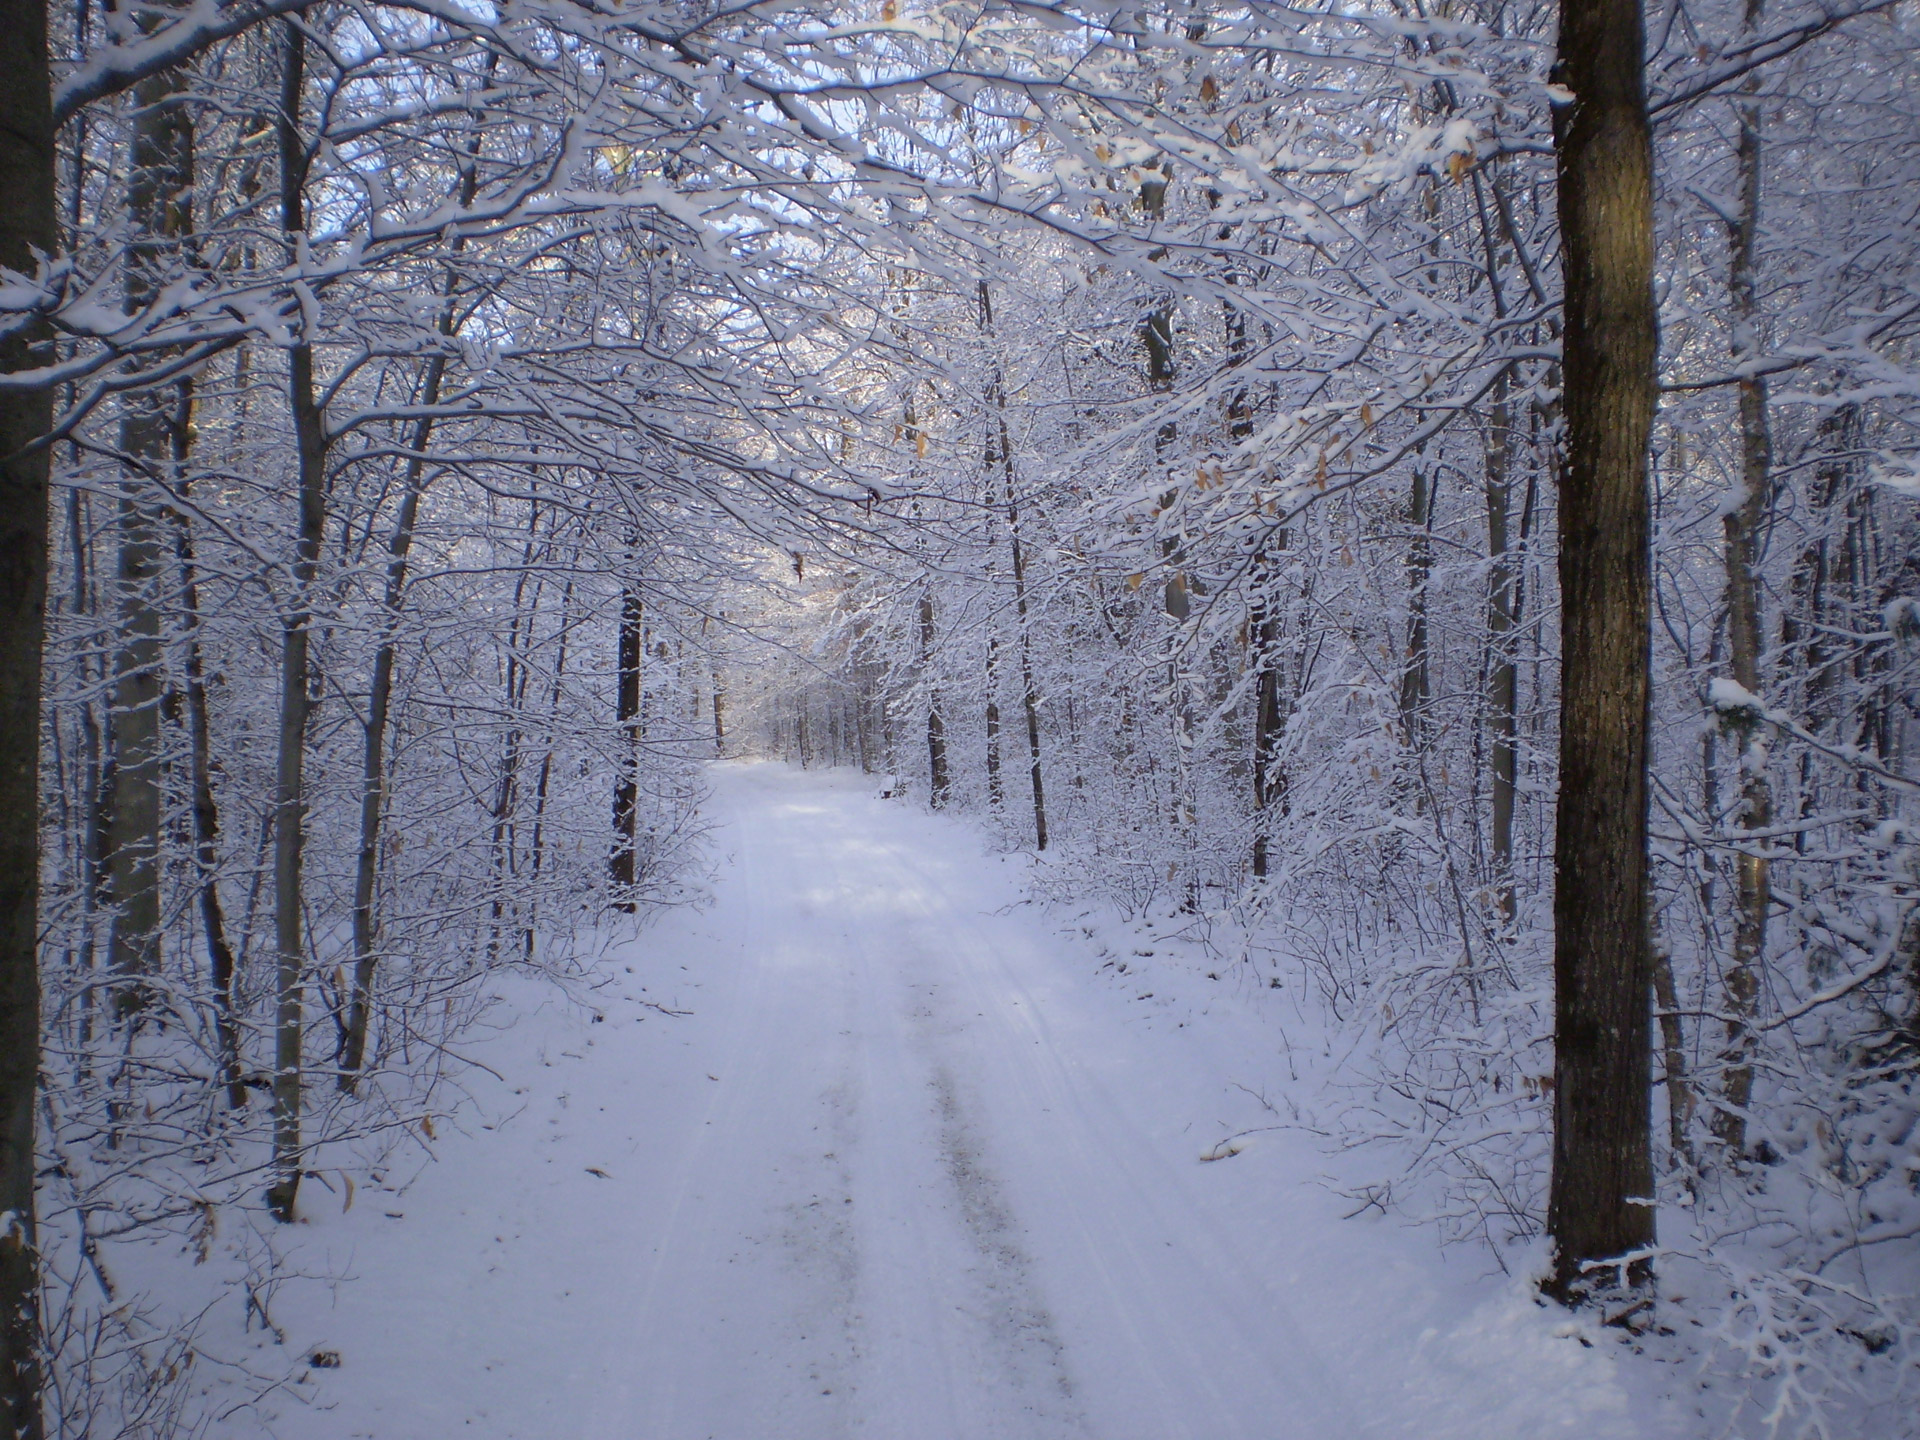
{"x":913,"y":1165}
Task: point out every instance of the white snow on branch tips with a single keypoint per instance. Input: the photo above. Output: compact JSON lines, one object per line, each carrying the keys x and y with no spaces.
{"x":1733,"y":699}
{"x":1898,"y":472}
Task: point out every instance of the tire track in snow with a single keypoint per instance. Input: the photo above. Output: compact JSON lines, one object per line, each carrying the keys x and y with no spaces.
{"x":1014,"y":1313}
{"x":1082,"y":1166}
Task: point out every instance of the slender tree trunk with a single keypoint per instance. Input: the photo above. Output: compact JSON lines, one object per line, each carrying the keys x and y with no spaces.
{"x":206,"y":816}
{"x":1263,"y":630}
{"x":1743,"y":525}
{"x":996,"y":787}
{"x":627,"y":704}
{"x":543,"y":781}
{"x":863,"y":719}
{"x":1268,"y":723}
{"x":995,"y":431}
{"x":938,"y":788}
{"x":27,"y":231}
{"x":1602,"y":1152}
{"x":1503,"y":683}
{"x":1270,"y":708}
{"x":161,"y":187}
{"x":1029,"y":696}
{"x":373,"y":767}
{"x":159,"y":209}
{"x":506,"y":800}
{"x":373,"y":771}
{"x":1416,"y":678}
{"x":94,"y":899}
{"x":1673,"y":1044}
{"x":290,"y":798}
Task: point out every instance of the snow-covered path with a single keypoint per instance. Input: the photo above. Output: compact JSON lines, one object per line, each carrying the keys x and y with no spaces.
{"x":910,"y":1168}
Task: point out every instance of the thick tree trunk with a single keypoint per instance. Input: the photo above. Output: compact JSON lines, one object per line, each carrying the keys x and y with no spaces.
{"x":159,"y":214}
{"x":1598,"y":1206}
{"x":1752,"y":883}
{"x":27,"y":231}
{"x":133,"y":778}
{"x":290,"y":798}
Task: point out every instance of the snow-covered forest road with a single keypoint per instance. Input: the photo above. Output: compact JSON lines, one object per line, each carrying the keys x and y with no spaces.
{"x":912,"y":1167}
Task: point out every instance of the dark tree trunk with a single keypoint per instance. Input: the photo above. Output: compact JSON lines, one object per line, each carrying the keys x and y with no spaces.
{"x":1602,"y":1151}
{"x":996,"y":787}
{"x":1029,"y":696}
{"x":1416,"y":677}
{"x":1743,"y":527}
{"x":1269,"y":720}
{"x":543,"y":781}
{"x":27,"y":229}
{"x":626,"y":790}
{"x":206,"y":813}
{"x":938,"y":786}
{"x":1271,"y":709}
{"x":296,"y":700}
{"x":373,"y":768}
{"x":1503,"y":614}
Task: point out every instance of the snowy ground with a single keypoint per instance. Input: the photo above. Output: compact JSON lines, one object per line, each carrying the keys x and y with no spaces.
{"x":914,"y":1166}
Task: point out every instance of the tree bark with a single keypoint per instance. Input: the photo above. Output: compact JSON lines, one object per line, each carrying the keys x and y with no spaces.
{"x":1503,"y":686}
{"x":1416,"y":680}
{"x":938,"y":786}
{"x":1602,"y":1181}
{"x":1268,"y":723}
{"x":1029,"y":698}
{"x":27,"y":233}
{"x":1743,"y":525}
{"x":290,"y":801}
{"x":543,"y":781}
{"x":626,"y":790}
{"x":1673,"y":1044}
{"x":1271,"y":709}
{"x":373,"y":767}
{"x":160,"y":216}
{"x":996,"y":786}
{"x":206,"y":813}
